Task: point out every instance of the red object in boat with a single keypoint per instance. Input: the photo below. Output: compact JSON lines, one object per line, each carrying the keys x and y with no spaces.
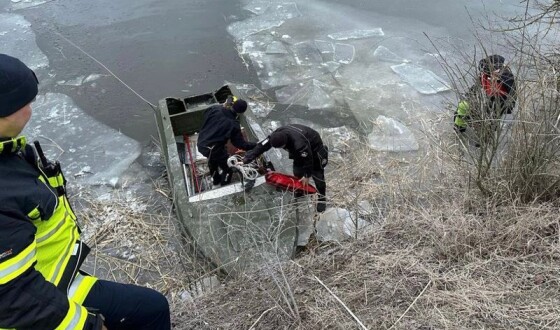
{"x":288,"y":182}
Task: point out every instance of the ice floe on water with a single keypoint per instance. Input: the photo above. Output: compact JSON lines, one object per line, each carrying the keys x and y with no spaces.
{"x":81,"y":80}
{"x":357,"y":34}
{"x":89,"y":151}
{"x":314,"y":94}
{"x":272,"y":16}
{"x":344,"y":53}
{"x":391,"y":135}
{"x":22,"y":4}
{"x":383,"y":53}
{"x":17,"y":39}
{"x":421,"y":79}
{"x":361,"y":74}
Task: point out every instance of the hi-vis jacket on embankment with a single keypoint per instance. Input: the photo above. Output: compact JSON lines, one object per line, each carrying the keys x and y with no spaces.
{"x":40,"y":248}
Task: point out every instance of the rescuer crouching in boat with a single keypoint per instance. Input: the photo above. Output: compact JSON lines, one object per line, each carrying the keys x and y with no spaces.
{"x":306,"y":148}
{"x":221,"y":125}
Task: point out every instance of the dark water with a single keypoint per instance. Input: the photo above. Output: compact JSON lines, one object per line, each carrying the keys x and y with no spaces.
{"x":180,"y":47}
{"x":159,"y":48}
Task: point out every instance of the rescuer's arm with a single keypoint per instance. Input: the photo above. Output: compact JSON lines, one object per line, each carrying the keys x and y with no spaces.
{"x":261,"y":147}
{"x":239,"y":141}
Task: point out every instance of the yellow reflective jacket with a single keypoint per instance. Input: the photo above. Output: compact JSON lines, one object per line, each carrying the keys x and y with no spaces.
{"x":40,"y":247}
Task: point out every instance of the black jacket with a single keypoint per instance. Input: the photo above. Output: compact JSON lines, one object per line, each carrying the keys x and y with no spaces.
{"x":219,"y":126}
{"x":28,"y":301}
{"x":302,"y":145}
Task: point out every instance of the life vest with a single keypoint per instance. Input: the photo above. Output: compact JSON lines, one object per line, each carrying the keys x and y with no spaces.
{"x":492,"y":85}
{"x":289,"y":183}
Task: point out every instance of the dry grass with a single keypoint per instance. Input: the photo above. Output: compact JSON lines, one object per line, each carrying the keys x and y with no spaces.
{"x":450,"y":266}
{"x":443,"y":257}
{"x":138,"y":241}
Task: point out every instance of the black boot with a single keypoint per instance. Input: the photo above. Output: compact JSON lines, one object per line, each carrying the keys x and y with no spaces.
{"x":216,"y":178}
{"x":321,"y":205}
{"x":226,"y":177}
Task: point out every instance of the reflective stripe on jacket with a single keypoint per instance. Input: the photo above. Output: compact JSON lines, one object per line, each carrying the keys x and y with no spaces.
{"x":39,"y":240}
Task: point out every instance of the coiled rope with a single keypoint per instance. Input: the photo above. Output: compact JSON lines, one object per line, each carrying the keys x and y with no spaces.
{"x":247,"y":171}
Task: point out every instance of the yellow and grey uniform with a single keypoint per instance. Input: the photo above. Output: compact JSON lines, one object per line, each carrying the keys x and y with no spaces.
{"x":40,"y":248}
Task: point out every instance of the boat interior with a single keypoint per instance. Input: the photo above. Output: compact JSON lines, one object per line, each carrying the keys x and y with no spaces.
{"x":186,"y":117}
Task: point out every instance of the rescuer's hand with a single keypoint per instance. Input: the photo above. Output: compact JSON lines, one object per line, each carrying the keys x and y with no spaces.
{"x":304,"y":181}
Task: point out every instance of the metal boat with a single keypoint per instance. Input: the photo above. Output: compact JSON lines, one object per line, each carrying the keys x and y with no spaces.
{"x":232,"y":228}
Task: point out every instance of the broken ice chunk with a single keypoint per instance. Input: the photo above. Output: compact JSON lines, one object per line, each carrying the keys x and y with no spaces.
{"x":391,"y":135}
{"x":423,"y":80}
{"x":276,"y":47}
{"x":312,"y":94}
{"x":318,"y":98}
{"x":324,"y":47}
{"x":243,"y":29}
{"x":337,"y":224}
{"x":383,"y":53}
{"x":306,"y":53}
{"x":109,"y":152}
{"x":292,"y":94}
{"x":331,"y":66}
{"x":343,"y":53}
{"x":257,"y":7}
{"x":18,"y":39}
{"x":357,"y":34}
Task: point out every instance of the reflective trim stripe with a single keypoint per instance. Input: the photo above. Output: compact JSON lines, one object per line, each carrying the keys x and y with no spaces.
{"x":55,"y":277}
{"x":34,"y":214}
{"x":15,"y":266}
{"x":13,"y":145}
{"x":80,"y":288}
{"x":56,"y":181}
{"x":74,"y":319}
{"x":45,"y":236}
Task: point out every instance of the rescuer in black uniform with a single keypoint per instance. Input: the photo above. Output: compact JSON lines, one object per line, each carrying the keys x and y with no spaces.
{"x":306,"y":148}
{"x":221,"y":125}
{"x":41,"y":284}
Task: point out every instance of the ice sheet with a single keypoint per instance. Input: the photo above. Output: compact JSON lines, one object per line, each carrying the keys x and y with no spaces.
{"x":21,"y":4}
{"x":273,"y":16}
{"x":423,"y":80}
{"x":383,"y":53}
{"x":391,"y":135}
{"x":344,"y":53}
{"x":88,"y":150}
{"x":276,"y":47}
{"x":314,"y":94}
{"x":18,"y":40}
{"x":357,"y":34}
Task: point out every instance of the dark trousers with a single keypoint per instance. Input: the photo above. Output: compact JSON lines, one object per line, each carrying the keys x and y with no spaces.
{"x":318,"y":175}
{"x":127,"y":306}
{"x":217,"y":158}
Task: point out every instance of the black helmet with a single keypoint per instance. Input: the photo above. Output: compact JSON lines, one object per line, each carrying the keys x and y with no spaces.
{"x":491,"y":63}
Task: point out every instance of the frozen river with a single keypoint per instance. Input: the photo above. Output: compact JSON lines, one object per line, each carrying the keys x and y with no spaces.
{"x":350,"y":67}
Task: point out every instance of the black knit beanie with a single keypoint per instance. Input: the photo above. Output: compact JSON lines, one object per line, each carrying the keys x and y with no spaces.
{"x":18,"y":85}
{"x":239,"y":106}
{"x":278,"y":139}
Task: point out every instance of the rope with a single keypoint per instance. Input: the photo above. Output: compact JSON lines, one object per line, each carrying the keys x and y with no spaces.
{"x":247,"y":171}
